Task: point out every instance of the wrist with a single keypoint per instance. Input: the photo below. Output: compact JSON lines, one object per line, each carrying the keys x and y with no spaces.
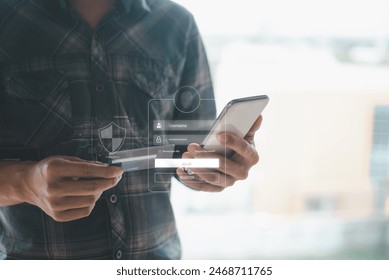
{"x":15,"y":177}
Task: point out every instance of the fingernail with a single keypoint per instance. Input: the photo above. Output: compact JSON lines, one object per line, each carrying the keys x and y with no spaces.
{"x":193,"y":148}
{"x":119,"y":169}
{"x":222,"y":138}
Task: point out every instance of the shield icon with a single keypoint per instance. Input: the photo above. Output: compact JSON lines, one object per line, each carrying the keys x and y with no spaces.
{"x":112,"y":137}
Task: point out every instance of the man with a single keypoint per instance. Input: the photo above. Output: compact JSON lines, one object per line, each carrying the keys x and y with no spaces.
{"x":71,"y":73}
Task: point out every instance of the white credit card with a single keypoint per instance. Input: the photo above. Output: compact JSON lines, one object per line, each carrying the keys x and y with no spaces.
{"x":140,"y":159}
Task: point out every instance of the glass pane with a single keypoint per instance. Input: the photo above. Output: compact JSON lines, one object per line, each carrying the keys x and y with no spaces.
{"x":320,"y":189}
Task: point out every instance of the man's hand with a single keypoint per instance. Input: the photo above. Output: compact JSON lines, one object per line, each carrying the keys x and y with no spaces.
{"x":67,"y":188}
{"x":230,"y":169}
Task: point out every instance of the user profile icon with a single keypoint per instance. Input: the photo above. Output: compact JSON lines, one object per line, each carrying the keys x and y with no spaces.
{"x":187,"y":99}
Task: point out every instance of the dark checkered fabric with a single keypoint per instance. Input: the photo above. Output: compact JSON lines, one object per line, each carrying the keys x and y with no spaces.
{"x":68,"y":90}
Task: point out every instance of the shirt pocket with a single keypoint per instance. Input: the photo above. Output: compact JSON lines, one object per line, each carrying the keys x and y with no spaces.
{"x":153,"y":78}
{"x":147,"y":79}
{"x":37,"y":106}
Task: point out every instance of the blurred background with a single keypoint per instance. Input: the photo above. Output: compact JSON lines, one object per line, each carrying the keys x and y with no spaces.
{"x":321,"y":188}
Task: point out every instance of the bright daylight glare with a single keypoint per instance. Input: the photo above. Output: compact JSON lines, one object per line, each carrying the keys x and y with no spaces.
{"x":320,"y":190}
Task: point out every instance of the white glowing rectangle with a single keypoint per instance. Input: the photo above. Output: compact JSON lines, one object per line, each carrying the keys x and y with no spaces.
{"x":187,"y":163}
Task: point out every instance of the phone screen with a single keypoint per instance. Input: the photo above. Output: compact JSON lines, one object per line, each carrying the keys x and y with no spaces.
{"x":237,"y":117}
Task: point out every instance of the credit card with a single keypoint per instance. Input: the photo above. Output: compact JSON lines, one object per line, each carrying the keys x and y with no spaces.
{"x":140,"y":159}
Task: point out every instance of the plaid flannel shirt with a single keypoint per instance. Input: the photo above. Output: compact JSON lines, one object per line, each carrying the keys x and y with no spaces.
{"x":61,"y":83}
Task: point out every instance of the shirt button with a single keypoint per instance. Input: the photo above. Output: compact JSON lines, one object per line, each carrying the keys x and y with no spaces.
{"x":99,"y":88}
{"x":98,"y":148}
{"x":113,"y":199}
{"x":119,"y":254}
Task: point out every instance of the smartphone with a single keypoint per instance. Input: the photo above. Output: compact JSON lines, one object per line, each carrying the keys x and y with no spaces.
{"x":237,"y":117}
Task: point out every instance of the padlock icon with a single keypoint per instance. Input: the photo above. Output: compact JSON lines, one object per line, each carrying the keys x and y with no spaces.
{"x":158,"y":140}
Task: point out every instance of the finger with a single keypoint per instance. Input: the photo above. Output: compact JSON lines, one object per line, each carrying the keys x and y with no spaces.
{"x":83,"y":169}
{"x":86,"y":187}
{"x":233,"y":168}
{"x":214,"y":178}
{"x":241,"y":147}
{"x":74,"y":202}
{"x":71,"y":158}
{"x":77,"y":159}
{"x":73,"y":214}
{"x":257,"y":124}
{"x":192,"y":183}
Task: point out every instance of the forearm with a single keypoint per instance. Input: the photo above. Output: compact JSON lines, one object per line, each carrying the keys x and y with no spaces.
{"x":12,"y":174}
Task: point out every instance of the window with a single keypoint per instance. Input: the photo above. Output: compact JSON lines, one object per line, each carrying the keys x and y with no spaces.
{"x":320,"y":190}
